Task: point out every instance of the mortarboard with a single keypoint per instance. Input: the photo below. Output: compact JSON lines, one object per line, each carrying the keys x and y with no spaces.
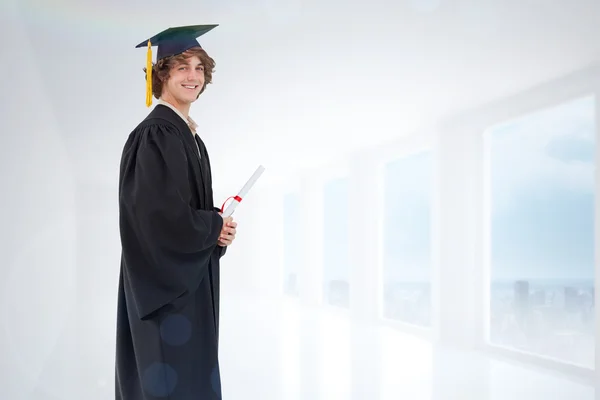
{"x":171,"y":42}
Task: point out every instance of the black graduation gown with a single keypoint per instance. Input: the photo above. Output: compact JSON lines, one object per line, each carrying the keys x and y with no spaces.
{"x":168,"y":304}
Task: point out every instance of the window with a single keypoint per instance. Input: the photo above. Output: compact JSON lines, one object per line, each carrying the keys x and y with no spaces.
{"x":407,"y":239}
{"x":540,"y":190}
{"x":292,"y":243}
{"x":336,"y":265}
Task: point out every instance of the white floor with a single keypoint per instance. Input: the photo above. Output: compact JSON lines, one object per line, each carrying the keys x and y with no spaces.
{"x":277,"y":350}
{"x":286,"y":352}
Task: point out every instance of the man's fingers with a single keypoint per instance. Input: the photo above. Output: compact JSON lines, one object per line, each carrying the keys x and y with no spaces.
{"x":228,"y":231}
{"x":224,"y":242}
{"x":227,"y":236}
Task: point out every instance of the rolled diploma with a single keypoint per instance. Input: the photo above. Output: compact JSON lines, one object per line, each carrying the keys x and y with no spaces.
{"x":245,"y":189}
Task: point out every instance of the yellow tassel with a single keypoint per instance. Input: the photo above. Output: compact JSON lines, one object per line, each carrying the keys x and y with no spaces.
{"x":149,"y":76}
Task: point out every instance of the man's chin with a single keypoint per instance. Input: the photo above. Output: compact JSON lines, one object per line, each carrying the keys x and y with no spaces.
{"x":192,"y":97}
{"x":188,"y":99}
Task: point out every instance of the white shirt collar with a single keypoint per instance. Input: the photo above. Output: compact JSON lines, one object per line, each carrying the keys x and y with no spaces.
{"x":189,"y":121}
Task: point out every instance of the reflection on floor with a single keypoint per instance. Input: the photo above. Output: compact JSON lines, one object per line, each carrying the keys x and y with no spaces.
{"x":284,"y":351}
{"x":277,"y":350}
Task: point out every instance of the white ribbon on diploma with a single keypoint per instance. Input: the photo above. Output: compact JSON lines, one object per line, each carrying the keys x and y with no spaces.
{"x":243,"y":192}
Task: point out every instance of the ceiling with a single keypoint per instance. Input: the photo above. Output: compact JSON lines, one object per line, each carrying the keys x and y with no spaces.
{"x":299,"y":83}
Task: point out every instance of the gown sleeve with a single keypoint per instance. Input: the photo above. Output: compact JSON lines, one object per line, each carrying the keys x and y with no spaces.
{"x":167,"y":244}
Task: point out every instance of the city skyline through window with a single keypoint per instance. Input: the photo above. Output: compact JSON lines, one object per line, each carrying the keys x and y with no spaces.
{"x":541,"y":200}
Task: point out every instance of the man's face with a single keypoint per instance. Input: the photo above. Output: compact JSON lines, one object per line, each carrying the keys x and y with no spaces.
{"x":186,"y":79}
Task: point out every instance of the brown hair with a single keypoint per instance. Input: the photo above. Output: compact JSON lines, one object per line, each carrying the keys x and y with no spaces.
{"x":160,"y":70}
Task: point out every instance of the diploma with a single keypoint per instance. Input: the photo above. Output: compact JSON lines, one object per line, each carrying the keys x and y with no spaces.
{"x":242,"y":193}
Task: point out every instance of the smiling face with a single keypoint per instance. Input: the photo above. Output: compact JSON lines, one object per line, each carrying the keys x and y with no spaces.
{"x":180,"y":79}
{"x":186,"y":80}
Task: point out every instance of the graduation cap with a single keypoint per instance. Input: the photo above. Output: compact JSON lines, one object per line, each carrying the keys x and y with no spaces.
{"x":171,"y":42}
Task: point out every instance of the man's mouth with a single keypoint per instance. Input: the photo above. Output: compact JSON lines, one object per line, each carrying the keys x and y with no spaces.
{"x":191,"y":87}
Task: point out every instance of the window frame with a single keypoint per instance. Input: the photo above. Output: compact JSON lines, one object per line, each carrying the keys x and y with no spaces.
{"x":420,"y":142}
{"x":290,"y":188}
{"x":471,"y":126}
{"x":332,"y":173}
{"x":319,"y":177}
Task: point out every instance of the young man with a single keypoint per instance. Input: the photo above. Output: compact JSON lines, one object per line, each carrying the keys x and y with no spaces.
{"x":172,"y":236}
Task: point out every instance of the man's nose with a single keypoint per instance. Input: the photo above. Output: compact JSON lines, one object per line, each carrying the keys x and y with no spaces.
{"x":195,"y":75}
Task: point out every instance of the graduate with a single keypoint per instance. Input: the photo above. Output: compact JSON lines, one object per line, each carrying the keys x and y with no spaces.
{"x":172,"y":236}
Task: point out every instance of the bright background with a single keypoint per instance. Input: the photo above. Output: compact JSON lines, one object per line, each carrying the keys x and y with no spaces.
{"x":426,"y":227}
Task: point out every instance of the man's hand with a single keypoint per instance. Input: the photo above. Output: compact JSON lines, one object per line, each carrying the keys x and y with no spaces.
{"x":228,"y":232}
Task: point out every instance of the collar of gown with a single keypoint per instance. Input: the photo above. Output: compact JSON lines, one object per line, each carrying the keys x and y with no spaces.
{"x":189,"y":121}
